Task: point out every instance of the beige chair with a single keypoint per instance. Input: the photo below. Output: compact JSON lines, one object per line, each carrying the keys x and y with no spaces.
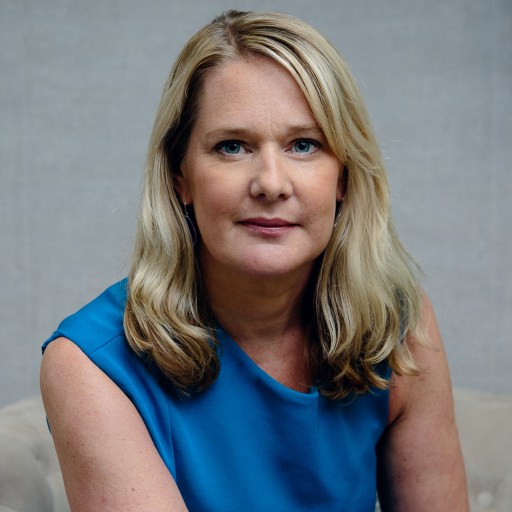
{"x":485,"y":429}
{"x":30,"y":478}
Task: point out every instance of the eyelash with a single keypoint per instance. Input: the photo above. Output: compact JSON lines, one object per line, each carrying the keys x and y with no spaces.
{"x":307,"y":141}
{"x":221,"y":146}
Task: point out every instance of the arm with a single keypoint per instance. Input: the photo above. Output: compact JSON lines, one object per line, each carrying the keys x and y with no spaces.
{"x":420,"y":460}
{"x":106,"y":454}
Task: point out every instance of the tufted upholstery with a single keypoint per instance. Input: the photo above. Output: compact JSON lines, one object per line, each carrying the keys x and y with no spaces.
{"x":485,"y":429}
{"x":30,"y":479}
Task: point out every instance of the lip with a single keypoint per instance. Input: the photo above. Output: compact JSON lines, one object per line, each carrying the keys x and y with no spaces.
{"x":268,"y":227}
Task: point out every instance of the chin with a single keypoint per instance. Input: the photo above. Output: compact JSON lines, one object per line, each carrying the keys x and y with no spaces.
{"x":276,"y":268}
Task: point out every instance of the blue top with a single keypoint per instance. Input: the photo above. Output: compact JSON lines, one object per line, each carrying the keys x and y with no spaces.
{"x":246,"y":442}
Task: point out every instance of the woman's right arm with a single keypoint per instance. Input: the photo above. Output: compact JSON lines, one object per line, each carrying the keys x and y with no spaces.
{"x":106,"y":454}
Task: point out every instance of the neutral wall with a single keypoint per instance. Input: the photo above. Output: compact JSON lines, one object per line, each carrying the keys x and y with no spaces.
{"x":79,"y":84}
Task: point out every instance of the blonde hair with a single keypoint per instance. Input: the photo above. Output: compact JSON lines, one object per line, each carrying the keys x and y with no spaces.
{"x":365,"y":297}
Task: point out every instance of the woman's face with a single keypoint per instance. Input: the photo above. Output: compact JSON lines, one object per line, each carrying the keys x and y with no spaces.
{"x":259,"y":174}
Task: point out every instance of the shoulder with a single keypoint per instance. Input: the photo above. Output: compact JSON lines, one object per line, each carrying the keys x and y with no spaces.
{"x":97,"y":323}
{"x":106,"y":454}
{"x":65,"y":367}
{"x":76,"y":393}
{"x":68,"y":375}
{"x":430,"y":357}
{"x":421,"y":464}
{"x":92,"y":343}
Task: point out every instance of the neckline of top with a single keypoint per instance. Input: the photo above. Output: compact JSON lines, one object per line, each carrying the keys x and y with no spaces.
{"x":224,"y":339}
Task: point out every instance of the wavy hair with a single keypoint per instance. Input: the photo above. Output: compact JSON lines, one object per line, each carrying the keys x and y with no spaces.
{"x":365,"y":295}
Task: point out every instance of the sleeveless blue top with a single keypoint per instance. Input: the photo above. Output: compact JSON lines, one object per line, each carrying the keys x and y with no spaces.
{"x":246,"y":442}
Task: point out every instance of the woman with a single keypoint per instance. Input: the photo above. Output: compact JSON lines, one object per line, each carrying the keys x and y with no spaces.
{"x":271,"y":348}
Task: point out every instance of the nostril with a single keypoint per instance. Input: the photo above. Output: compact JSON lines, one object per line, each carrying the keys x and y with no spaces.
{"x":271,"y":185}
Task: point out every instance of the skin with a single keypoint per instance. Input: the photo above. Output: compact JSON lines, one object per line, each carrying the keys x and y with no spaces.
{"x":259,"y":174}
{"x":420,"y":459}
{"x":264,"y":185}
{"x":107,"y":457}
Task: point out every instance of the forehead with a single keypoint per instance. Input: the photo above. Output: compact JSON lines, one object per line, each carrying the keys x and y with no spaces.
{"x":252,"y":88}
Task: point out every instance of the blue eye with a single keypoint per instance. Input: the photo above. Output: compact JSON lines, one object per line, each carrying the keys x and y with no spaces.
{"x":305,"y":146}
{"x":230,"y":147}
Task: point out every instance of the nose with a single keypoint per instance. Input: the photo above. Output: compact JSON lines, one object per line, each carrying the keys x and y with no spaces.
{"x":271,"y":180}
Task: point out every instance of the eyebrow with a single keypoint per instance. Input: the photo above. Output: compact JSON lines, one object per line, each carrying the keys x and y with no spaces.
{"x":233,"y":131}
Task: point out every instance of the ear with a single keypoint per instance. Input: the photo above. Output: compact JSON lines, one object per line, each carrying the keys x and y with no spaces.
{"x":182,"y":188}
{"x":341,"y":184}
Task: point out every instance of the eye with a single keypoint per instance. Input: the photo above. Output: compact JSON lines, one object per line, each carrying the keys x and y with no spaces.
{"x":229,"y":147}
{"x":305,"y":146}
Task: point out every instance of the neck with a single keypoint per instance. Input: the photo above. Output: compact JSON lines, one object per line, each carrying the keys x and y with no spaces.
{"x":265,"y":316}
{"x":254,"y":306}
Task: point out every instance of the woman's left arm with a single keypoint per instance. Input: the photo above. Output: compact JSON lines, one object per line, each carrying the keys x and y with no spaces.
{"x":420,"y":459}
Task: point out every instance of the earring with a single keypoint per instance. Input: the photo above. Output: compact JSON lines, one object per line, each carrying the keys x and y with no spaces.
{"x":338,"y":213}
{"x":191,"y":226}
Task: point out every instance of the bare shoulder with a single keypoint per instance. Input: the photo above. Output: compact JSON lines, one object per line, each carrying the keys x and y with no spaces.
{"x":107,"y":457}
{"x":421,"y":465}
{"x":64,"y":368}
{"x":434,"y":377}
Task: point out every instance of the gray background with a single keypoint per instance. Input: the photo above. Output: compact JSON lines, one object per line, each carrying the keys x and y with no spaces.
{"x":79,"y":85}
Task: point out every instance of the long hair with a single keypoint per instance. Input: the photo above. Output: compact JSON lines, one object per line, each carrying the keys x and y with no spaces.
{"x":365,"y":296}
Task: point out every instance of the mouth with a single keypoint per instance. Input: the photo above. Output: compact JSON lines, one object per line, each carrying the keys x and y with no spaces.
{"x":266,"y":227}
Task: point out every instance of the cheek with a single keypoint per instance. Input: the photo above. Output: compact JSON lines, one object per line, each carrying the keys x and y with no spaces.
{"x":213,"y":205}
{"x":207,"y":192}
{"x":321,"y":208}
{"x":322,"y":199}
{"x":322,"y":187}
